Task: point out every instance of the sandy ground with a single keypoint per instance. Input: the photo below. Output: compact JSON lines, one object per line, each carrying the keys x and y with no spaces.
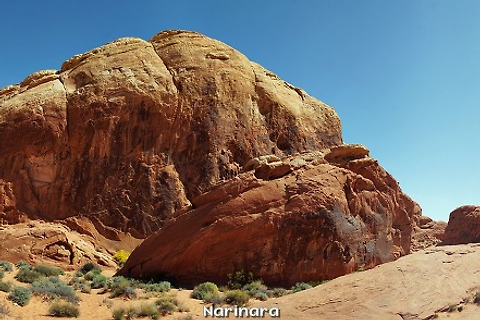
{"x":437,"y":283}
{"x":424,"y":285}
{"x":94,"y":305}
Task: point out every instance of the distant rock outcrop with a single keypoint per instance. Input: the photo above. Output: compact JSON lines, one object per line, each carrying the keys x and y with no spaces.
{"x":317,"y":222}
{"x":130,"y":132}
{"x":463,"y":225}
{"x":427,"y":232}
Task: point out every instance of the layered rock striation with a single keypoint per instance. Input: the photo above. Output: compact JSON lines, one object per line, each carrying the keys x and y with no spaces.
{"x":132,"y":131}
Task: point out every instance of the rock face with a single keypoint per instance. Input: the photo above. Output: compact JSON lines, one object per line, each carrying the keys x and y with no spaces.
{"x":318,"y":221}
{"x":427,"y":232}
{"x":463,"y":225}
{"x":52,"y":243}
{"x":132,"y":131}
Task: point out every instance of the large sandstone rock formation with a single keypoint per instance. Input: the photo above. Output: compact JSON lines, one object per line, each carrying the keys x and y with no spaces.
{"x":463,"y":225}
{"x":327,"y":216}
{"x":132,"y":131}
{"x":244,"y":169}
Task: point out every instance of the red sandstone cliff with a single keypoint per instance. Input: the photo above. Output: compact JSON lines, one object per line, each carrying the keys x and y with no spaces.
{"x":248,"y":170}
{"x":130,"y":132}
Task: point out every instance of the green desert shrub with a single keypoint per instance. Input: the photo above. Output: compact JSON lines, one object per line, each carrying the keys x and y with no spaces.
{"x":118,"y":313}
{"x":121,"y":286}
{"x":5,"y":286}
{"x":259,"y":295}
{"x":99,"y":281}
{"x":256,"y":289}
{"x":163,"y":286}
{"x":27,"y":275}
{"x":63,"y":309}
{"x":48,"y":271}
{"x":147,"y":310}
{"x":2,"y":274}
{"x":6,"y":266}
{"x":238,"y":279}
{"x":86,"y":288}
{"x":20,"y":295}
{"x":22,"y":265}
{"x":52,"y":288}
{"x":130,"y":313}
{"x":79,"y":284}
{"x":237,"y":297}
{"x":167,"y":304}
{"x":277,"y":292}
{"x":89,"y":266}
{"x":300,"y":286}
{"x":205,"y":290}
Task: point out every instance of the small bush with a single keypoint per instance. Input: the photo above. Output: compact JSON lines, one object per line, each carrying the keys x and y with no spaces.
{"x":2,"y":274}
{"x":130,"y":313}
{"x":167,"y":304}
{"x":86,"y":288}
{"x":90,"y":275}
{"x":277,"y":292}
{"x":48,"y":271}
{"x":121,"y":286}
{"x":54,"y":288}
{"x":215,"y":298}
{"x":118,"y":313}
{"x":6,"y":266}
{"x":22,"y":265}
{"x":5,"y":286}
{"x":147,"y":310}
{"x":239,"y":278}
{"x":20,"y":295}
{"x":28,"y":276}
{"x":259,"y":295}
{"x":121,"y":256}
{"x":64,"y":309}
{"x":89,"y":266}
{"x":163,"y":286}
{"x":204,"y":290}
{"x":183,"y":308}
{"x":99,"y":281}
{"x":300,"y":286}
{"x":257,"y":290}
{"x":79,"y":284}
{"x":237,"y":297}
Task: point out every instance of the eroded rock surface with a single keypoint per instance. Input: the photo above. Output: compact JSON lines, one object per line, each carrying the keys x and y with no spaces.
{"x":51,"y":243}
{"x":132,"y":131}
{"x":463,"y":225}
{"x":427,"y":232}
{"x":319,"y":221}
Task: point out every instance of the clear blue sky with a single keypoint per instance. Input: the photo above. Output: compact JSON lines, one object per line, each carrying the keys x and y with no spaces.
{"x":404,"y":76}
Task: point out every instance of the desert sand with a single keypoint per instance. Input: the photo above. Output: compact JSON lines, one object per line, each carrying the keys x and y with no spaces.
{"x":422,"y":285}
